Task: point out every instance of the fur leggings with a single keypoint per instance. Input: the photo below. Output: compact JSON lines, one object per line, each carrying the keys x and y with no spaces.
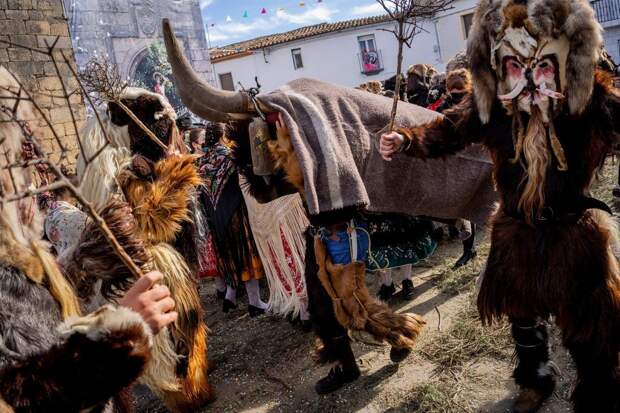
{"x":336,"y":346}
{"x":566,"y":270}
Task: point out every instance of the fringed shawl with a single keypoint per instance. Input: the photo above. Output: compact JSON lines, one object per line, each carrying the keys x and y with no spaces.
{"x":278,"y":228}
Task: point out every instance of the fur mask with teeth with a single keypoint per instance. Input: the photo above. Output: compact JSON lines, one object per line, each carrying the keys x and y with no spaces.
{"x":538,"y":52}
{"x":538,"y":59}
{"x":530,"y":72}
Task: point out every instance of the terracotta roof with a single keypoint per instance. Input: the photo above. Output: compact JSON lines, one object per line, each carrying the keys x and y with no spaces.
{"x":242,"y":48}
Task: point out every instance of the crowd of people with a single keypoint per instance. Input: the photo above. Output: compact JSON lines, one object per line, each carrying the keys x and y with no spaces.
{"x":270,"y":187}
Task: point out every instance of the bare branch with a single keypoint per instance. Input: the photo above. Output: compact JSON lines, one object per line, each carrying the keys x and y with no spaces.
{"x":92,"y":105}
{"x":104,"y":79}
{"x":407,"y":14}
{"x":21,"y":95}
{"x":66,"y":96}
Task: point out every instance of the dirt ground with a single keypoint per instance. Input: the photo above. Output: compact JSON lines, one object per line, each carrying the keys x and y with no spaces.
{"x":265,"y":364}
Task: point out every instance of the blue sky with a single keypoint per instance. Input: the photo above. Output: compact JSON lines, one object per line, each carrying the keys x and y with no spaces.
{"x":282,"y":15}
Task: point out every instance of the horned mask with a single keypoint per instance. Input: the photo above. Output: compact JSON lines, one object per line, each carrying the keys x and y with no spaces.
{"x":530,"y":71}
{"x":538,"y":52}
{"x":538,"y":58}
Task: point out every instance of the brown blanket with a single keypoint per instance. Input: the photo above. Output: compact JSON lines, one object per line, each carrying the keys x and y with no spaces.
{"x":335,"y":132}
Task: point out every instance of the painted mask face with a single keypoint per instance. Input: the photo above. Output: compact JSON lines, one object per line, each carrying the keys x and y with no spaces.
{"x":530,"y":72}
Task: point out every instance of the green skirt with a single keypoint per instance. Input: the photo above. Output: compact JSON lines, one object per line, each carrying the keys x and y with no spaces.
{"x":397,"y":240}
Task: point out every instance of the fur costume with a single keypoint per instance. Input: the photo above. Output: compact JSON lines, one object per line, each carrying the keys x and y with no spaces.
{"x":45,"y":364}
{"x":93,"y":263}
{"x":159,"y":191}
{"x":549,"y":120}
{"x":328,"y":156}
{"x":158,"y":194}
{"x":356,"y":310}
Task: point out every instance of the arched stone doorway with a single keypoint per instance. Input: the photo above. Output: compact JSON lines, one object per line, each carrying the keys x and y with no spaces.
{"x":149,"y":69}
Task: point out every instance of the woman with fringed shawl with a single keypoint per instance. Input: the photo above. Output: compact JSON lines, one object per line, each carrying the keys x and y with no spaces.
{"x":228,"y":225}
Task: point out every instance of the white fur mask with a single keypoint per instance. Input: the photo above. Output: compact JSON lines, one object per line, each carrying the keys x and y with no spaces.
{"x":530,"y":71}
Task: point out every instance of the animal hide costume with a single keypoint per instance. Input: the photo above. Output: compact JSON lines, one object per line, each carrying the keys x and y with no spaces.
{"x":328,"y":157}
{"x":159,"y":191}
{"x":549,"y":120}
{"x":51,"y":359}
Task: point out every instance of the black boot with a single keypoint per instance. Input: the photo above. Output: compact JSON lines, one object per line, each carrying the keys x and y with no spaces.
{"x":228,"y":305}
{"x":255,"y":311}
{"x":399,"y":354}
{"x":408,"y":290}
{"x":467,"y":256}
{"x":386,"y":292}
{"x":469,"y":249}
{"x":336,"y":378}
{"x":533,"y":372}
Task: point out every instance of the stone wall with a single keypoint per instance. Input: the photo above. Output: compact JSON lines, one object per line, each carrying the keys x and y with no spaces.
{"x":36,"y":24}
{"x":121,"y":30}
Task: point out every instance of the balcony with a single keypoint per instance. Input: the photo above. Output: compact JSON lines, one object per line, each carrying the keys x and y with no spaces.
{"x":606,"y":10}
{"x":370,"y":62}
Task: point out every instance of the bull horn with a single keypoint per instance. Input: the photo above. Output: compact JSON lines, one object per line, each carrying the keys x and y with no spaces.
{"x":200,"y":97}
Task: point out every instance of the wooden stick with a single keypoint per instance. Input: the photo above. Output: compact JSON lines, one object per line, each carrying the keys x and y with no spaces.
{"x":146,"y":130}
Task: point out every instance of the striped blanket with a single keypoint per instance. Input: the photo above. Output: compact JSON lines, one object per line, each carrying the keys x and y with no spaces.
{"x":335,"y":132}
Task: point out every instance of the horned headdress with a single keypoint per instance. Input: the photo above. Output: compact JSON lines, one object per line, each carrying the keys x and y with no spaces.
{"x":513,"y":42}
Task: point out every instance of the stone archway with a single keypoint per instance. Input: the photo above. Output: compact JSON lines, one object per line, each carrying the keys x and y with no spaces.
{"x":137,"y":58}
{"x":149,"y":69}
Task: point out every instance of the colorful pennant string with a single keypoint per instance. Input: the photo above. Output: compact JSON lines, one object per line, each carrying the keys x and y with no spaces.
{"x":265,"y":10}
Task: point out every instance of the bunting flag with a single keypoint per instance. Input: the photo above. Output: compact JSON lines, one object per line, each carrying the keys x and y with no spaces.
{"x":264,"y":11}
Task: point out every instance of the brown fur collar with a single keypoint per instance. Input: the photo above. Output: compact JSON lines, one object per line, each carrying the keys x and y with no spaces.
{"x":159,"y":196}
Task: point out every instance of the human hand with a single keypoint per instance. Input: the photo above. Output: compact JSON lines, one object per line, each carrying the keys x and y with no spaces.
{"x":152,"y":301}
{"x":389,"y":144}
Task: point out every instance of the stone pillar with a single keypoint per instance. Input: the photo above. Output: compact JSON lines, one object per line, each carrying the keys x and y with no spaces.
{"x":35,"y":24}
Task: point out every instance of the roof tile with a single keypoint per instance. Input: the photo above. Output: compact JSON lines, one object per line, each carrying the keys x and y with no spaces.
{"x":241,"y":48}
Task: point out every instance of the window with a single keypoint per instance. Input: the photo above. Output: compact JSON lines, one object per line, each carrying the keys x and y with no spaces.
{"x":297,"y":61}
{"x":367,"y":43}
{"x":467,"y":20}
{"x":226,"y":81}
{"x":369,"y":55}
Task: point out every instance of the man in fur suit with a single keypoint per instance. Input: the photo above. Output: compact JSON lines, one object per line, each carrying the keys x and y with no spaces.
{"x":51,"y":359}
{"x":159,"y":186}
{"x":549,"y":119}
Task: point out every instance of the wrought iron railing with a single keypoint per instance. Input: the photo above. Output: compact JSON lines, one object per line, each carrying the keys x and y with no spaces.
{"x":371,"y":63}
{"x":606,"y":10}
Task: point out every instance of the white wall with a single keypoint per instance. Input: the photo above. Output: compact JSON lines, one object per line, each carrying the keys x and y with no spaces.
{"x":334,"y":57}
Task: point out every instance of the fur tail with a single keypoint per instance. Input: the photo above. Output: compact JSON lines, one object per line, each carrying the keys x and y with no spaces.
{"x":189,"y":333}
{"x":195,"y":389}
{"x":357,"y":311}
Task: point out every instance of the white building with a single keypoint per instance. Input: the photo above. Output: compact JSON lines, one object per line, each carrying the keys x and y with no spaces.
{"x":347,"y":53}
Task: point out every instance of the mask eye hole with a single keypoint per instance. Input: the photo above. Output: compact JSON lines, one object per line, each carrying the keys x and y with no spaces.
{"x":513,"y":67}
{"x":545,"y":68}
